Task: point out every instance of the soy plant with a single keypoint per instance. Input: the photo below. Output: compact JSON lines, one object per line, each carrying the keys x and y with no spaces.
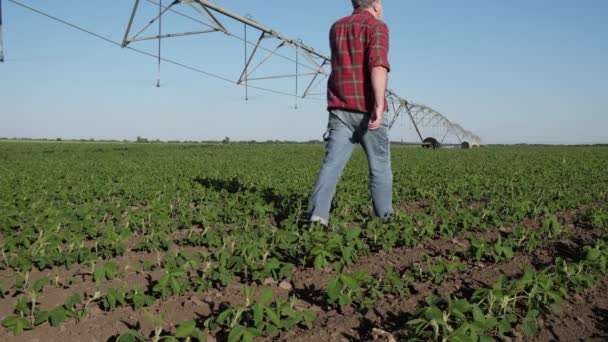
{"x":434,"y":269}
{"x":111,"y":242}
{"x":595,"y":218}
{"x":209,"y":237}
{"x":552,"y":228}
{"x":321,"y":247}
{"x":251,"y":257}
{"x":527,"y":239}
{"x":499,"y":250}
{"x":519,"y":300}
{"x":28,"y":314}
{"x":511,"y":302}
{"x":108,"y":271}
{"x":450,"y":320}
{"x":115,"y":298}
{"x":361,"y":290}
{"x":180,"y":272}
{"x":257,"y":318}
{"x":186,"y":332}
{"x":356,"y":288}
{"x":381,"y":235}
{"x":173,"y":282}
{"x":153,"y":241}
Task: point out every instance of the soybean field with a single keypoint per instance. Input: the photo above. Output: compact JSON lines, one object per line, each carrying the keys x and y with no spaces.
{"x":210,"y":242}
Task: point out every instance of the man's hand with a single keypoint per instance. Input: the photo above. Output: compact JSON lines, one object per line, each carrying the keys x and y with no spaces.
{"x":375,"y":120}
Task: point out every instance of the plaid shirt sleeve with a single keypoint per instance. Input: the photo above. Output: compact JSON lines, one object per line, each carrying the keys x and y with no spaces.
{"x":378,"y":46}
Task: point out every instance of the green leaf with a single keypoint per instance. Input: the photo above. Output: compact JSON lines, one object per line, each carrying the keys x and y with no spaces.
{"x":175,"y":286}
{"x":272,"y":330}
{"x":593,"y":254}
{"x":555,"y":308}
{"x":504,"y":326}
{"x":258,"y":314}
{"x":41,"y":317}
{"x":319,"y":262}
{"x":353,"y":233}
{"x":221,"y":318}
{"x":309,"y":318}
{"x":16,"y":324}
{"x":459,"y":308}
{"x":432,"y":300}
{"x":111,"y":270}
{"x":339,"y":267}
{"x":57,"y":316}
{"x":111,"y":299}
{"x":274,"y":317}
{"x":99,"y":275}
{"x":186,"y":329}
{"x":73,"y":300}
{"x":508,"y":252}
{"x":129,"y":336}
{"x":250,"y":334}
{"x":164,"y":280}
{"x":485,"y":338}
{"x":236,"y":333}
{"x":349,"y":281}
{"x":478,"y":316}
{"x":433,"y":313}
{"x":38,"y":285}
{"x":530,"y":324}
{"x":333,"y":289}
{"x":139,"y":300}
{"x":266,"y":296}
{"x":345,"y":301}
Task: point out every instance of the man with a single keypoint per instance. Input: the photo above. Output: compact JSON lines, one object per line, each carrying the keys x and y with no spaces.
{"x":356,"y":105}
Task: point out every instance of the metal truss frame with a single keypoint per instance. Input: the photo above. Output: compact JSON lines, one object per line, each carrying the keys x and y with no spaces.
{"x":425,"y":116}
{"x":319,"y":65}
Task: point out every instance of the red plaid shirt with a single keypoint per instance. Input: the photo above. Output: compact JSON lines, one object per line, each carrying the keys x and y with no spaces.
{"x":358,"y":42}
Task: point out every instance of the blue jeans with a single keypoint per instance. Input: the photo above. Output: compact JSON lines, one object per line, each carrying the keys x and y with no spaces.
{"x":345,"y":130}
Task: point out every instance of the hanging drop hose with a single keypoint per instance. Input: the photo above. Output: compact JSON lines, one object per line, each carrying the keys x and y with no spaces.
{"x":297,"y":72}
{"x":160,"y":12}
{"x":246,"y":74}
{"x":1,"y":45}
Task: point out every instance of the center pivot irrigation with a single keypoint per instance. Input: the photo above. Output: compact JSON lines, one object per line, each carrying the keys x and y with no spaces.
{"x":310,"y":67}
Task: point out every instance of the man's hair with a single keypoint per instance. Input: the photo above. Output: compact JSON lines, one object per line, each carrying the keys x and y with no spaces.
{"x":363,"y":3}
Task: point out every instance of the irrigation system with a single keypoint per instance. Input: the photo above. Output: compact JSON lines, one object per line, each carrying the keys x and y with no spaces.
{"x":311,"y":68}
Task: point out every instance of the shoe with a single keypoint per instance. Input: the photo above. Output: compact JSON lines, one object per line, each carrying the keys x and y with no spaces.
{"x":320,"y":220}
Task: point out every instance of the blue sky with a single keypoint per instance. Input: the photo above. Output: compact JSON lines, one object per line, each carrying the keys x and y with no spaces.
{"x":510,"y":71}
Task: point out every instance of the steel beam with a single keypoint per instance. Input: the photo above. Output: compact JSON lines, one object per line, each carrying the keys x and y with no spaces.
{"x":245,"y":74}
{"x":309,"y":87}
{"x":262,"y":28}
{"x":279,"y":76}
{"x":270,"y":54}
{"x":210,"y":17}
{"x":414,"y":123}
{"x":151,"y":22}
{"x":173,"y":35}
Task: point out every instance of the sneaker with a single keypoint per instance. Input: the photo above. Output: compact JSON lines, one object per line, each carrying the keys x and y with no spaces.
{"x":320,"y":220}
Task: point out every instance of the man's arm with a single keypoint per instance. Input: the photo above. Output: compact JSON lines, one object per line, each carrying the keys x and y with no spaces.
{"x":379,"y":82}
{"x":379,"y":67}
